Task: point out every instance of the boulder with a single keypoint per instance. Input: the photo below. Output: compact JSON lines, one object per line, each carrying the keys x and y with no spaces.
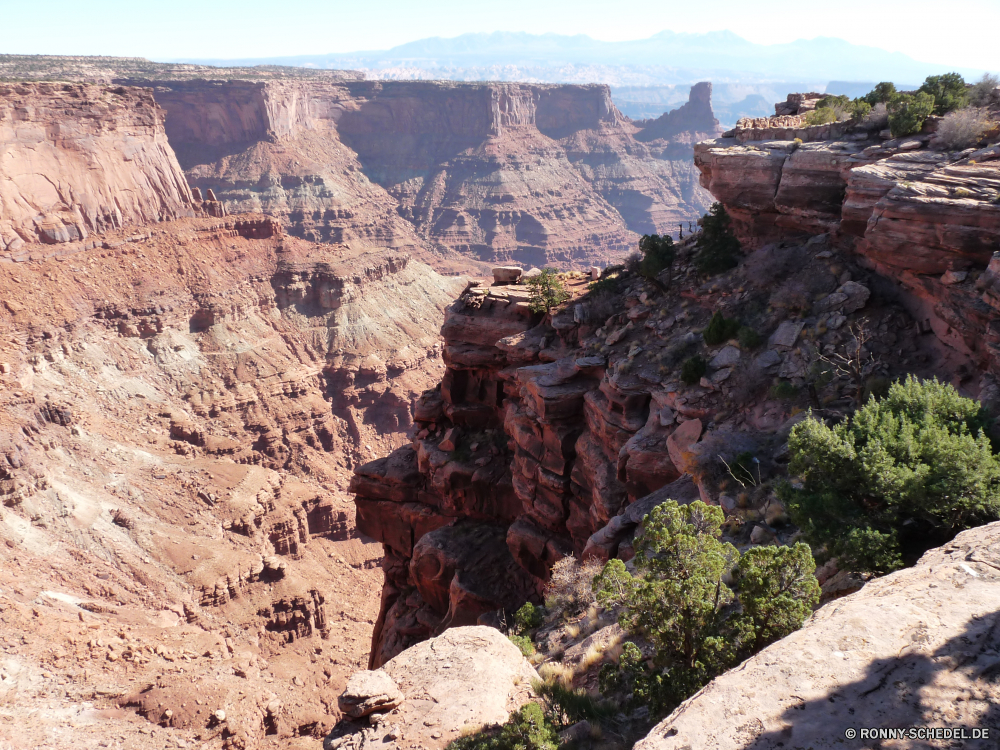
{"x":728,"y":356}
{"x":466,"y":678}
{"x":680,"y":441}
{"x":786,"y":335}
{"x":915,"y":648}
{"x":503,"y":275}
{"x":367,"y":692}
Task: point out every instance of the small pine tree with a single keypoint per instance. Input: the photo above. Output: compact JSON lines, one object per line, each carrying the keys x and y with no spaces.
{"x":547,"y":291}
{"x":907,"y":112}
{"x":881,"y":94}
{"x":718,"y":248}
{"x":906,"y":473}
{"x":720,"y":328}
{"x":657,"y":255}
{"x":680,"y":603}
{"x":526,"y":729}
{"x":949,"y":92}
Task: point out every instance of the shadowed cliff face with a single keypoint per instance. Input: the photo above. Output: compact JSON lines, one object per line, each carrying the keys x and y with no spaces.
{"x":538,"y":174}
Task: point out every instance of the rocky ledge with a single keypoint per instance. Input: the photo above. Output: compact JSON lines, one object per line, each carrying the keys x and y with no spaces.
{"x":916,"y":648}
{"x":924,"y":217}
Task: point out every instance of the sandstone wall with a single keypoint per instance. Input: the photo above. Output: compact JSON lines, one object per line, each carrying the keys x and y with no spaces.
{"x":538,"y":173}
{"x":80,"y":159}
{"x":923,"y":217}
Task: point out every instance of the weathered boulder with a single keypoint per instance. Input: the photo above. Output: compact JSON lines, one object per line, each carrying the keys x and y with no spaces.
{"x":507,"y":274}
{"x":367,"y":692}
{"x":466,"y":678}
{"x":915,"y":648}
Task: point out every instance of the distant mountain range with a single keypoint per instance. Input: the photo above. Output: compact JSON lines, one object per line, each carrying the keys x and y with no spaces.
{"x":645,"y":74}
{"x":667,"y":57}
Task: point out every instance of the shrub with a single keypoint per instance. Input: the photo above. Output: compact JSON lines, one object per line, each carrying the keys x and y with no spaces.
{"x":718,"y":248}
{"x":657,"y":255}
{"x":784,"y":390}
{"x":748,"y":338}
{"x":693,"y":370}
{"x":821,"y":116}
{"x":523,"y":643}
{"x":837,"y":109}
{"x":881,"y":94}
{"x":720,"y":328}
{"x":907,"y":113}
{"x":570,"y":590}
{"x":877,"y":118}
{"x":982,"y":90}
{"x":904,"y":474}
{"x":547,"y":291}
{"x":526,"y":729}
{"x":566,"y":706}
{"x":948,"y":90}
{"x":528,"y":617}
{"x":632,"y":263}
{"x":697,"y":625}
{"x":964,"y":128}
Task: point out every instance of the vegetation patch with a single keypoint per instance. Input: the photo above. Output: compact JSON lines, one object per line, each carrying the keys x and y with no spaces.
{"x":904,"y":474}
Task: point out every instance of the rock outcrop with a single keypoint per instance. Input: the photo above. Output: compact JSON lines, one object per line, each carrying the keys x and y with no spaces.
{"x":917,"y":648}
{"x":463,"y":680}
{"x":694,"y":117}
{"x":79,"y":159}
{"x":554,"y":435}
{"x":921,"y":216}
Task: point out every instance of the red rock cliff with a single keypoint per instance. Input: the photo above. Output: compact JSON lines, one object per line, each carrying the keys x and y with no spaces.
{"x":78,"y":159}
{"x":921,"y":216}
{"x":535,"y":173}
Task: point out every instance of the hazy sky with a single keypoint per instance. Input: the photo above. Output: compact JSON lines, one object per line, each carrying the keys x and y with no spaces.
{"x":954,"y":32}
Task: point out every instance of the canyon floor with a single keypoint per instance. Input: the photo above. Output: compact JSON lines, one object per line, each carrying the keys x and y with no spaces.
{"x":181,"y":409}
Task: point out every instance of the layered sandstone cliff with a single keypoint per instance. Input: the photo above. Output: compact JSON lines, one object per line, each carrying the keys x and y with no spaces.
{"x":79,"y":159}
{"x":181,"y":410}
{"x":919,"y":215}
{"x":554,"y":435}
{"x":181,"y":403}
{"x":540,"y":174}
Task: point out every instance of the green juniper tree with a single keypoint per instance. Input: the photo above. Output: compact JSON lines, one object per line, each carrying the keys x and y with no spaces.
{"x":547,"y":291}
{"x":906,"y":473}
{"x":718,"y":248}
{"x":697,"y":625}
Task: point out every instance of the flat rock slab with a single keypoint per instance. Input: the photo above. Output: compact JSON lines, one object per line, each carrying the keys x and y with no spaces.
{"x":728,"y":356}
{"x":786,"y":335}
{"x":915,"y":648}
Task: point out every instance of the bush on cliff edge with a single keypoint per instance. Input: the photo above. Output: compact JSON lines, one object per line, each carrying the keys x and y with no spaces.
{"x":906,"y":473}
{"x":697,"y":624}
{"x":547,"y":291}
{"x":718,"y":248}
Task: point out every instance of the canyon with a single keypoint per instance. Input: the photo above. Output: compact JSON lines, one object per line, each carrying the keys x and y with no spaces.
{"x":231,"y":414}
{"x":552,"y":435}
{"x":458,"y":175}
{"x":541,"y":175}
{"x":184,"y":394}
